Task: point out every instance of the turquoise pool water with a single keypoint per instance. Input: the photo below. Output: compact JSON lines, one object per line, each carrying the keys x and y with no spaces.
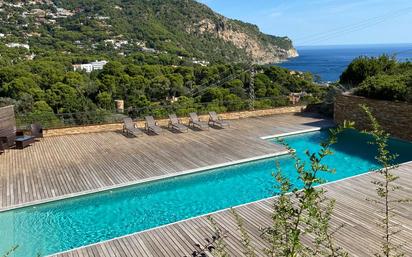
{"x":67,"y":224}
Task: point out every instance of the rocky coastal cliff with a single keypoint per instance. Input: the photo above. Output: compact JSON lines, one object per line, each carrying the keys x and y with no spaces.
{"x":261,"y":48}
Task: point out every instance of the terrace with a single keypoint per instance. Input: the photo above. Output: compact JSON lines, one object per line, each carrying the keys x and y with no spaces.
{"x":72,"y":165}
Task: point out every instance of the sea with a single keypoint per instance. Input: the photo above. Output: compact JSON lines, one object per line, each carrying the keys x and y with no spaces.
{"x":328,"y":62}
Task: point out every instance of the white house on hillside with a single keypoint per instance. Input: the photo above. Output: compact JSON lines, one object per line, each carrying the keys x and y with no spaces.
{"x":89,"y":67}
{"x":98,"y":65}
{"x":15,"y":45}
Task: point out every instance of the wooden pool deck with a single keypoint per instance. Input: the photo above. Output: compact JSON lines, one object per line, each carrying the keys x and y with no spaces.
{"x":59,"y":167}
{"x":65,"y":166}
{"x":360,"y":235}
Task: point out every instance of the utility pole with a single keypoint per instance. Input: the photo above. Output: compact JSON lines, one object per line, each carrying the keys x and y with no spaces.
{"x":252,"y":95}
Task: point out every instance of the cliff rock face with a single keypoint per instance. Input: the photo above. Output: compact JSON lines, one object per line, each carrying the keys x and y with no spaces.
{"x":260,"y":52}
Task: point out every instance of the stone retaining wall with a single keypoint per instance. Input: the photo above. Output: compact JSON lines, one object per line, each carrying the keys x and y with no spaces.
{"x":394,"y":117}
{"x":164,"y":122}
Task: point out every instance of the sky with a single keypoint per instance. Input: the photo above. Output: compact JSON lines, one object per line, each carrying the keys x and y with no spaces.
{"x":325,"y":22}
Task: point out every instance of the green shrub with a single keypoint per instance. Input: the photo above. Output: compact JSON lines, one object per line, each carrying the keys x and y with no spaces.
{"x":384,"y":87}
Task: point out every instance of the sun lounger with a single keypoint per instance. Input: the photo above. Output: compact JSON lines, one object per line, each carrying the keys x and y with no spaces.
{"x":130,"y":128}
{"x":196,"y":122}
{"x":152,"y":125}
{"x":215,"y":120}
{"x":175,"y":124}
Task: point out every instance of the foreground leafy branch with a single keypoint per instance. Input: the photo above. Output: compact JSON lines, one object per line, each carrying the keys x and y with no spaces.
{"x":213,"y":244}
{"x":385,"y":186}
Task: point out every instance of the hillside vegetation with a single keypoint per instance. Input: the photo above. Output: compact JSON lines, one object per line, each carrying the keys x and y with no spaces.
{"x":40,"y":90}
{"x":184,"y":29}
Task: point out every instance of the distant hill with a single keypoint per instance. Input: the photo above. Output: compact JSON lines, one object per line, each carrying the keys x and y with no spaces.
{"x":184,"y":28}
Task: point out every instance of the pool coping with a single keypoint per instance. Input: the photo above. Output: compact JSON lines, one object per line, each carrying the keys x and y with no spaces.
{"x":297,"y":132}
{"x":216,"y":212}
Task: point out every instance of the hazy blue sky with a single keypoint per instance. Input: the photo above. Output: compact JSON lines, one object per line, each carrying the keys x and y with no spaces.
{"x":325,"y":22}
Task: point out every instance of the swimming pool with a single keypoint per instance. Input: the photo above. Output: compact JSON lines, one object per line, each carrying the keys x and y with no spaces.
{"x":76,"y":222}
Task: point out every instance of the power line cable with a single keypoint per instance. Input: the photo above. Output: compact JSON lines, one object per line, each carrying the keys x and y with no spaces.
{"x":222,"y":81}
{"x":364,"y":22}
{"x":357,"y":26}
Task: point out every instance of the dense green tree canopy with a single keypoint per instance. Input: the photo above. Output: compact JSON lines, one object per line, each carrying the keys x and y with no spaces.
{"x":50,"y":85}
{"x":363,"y":67}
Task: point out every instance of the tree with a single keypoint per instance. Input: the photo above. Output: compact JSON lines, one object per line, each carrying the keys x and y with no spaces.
{"x":297,"y":213}
{"x":25,"y":103}
{"x":234,"y":102}
{"x":50,"y":78}
{"x":159,"y":88}
{"x":138,"y":84}
{"x":75,"y":79}
{"x":105,"y":101}
{"x":9,"y":73}
{"x":113,"y":68}
{"x":21,"y":85}
{"x":236,"y":87}
{"x":63,"y":98}
{"x":48,"y":72}
{"x":385,"y":188}
{"x":273,"y":89}
{"x":363,"y":67}
{"x":176,"y":84}
{"x":215,"y":106}
{"x":43,"y":114}
{"x":134,"y":70}
{"x":138,"y":105}
{"x":261,"y":83}
{"x":215,"y":94}
{"x":185,"y":105}
{"x":151,"y":71}
{"x":109,"y":83}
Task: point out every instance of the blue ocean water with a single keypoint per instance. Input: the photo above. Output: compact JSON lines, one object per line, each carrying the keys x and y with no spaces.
{"x":67,"y":224}
{"x":329,"y":62}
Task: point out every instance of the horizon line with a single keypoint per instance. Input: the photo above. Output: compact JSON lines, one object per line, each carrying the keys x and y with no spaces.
{"x":357,"y":44}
